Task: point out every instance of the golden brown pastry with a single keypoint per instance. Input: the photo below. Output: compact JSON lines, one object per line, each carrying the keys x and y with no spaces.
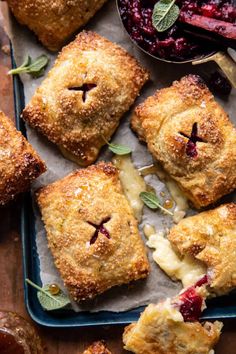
{"x":54,"y":21}
{"x":84,"y":96}
{"x":191,"y":136}
{"x":92,"y":232}
{"x":172,"y":327}
{"x":97,"y":348}
{"x":211,"y":238}
{"x":19,"y":163}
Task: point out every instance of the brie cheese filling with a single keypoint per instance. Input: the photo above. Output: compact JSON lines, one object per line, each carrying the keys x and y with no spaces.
{"x":149,"y":230}
{"x":181,"y":202}
{"x":175,"y":192}
{"x":187,"y":269}
{"x":132,"y":182}
{"x":171,"y":312}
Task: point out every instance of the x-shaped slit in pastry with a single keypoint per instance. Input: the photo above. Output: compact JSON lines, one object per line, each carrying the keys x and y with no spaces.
{"x":99,"y":228}
{"x":85,"y":88}
{"x":191,"y":147}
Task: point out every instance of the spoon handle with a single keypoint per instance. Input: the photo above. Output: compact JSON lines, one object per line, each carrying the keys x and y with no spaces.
{"x":227,"y":65}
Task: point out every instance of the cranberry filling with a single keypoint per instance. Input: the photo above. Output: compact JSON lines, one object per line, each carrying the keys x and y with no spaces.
{"x":203,"y":281}
{"x":191,"y":305}
{"x":219,"y":84}
{"x":191,"y":301}
{"x":191,"y":147}
{"x":84,"y":88}
{"x":99,"y":228}
{"x":173,"y":44}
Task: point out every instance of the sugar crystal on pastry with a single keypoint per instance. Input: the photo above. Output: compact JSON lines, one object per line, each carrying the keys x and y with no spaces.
{"x":19,"y":163}
{"x":195,"y":143}
{"x":80,"y":103}
{"x":91,"y":231}
{"x":54,"y":21}
{"x":173,"y":326}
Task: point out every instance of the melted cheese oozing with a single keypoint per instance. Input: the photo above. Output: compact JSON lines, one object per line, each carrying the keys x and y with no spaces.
{"x":174,"y":190}
{"x":132,"y":182}
{"x":149,"y":230}
{"x":187,"y":269}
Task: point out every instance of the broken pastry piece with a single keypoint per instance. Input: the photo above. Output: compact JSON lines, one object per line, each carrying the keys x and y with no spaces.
{"x":80,"y":103}
{"x":210,"y":238}
{"x":97,"y":348}
{"x":54,"y":21}
{"x":173,"y":327}
{"x":191,"y":136}
{"x":92,"y":232}
{"x":19,"y":163}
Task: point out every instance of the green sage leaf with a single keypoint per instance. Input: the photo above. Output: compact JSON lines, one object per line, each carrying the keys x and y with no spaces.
{"x":32,"y":67}
{"x":119,"y":149}
{"x":152,"y":202}
{"x":48,"y":301}
{"x":26,"y":62}
{"x":39,"y":64}
{"x":165,"y":14}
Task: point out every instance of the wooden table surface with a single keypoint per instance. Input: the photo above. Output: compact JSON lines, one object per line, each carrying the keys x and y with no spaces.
{"x":11,"y":289}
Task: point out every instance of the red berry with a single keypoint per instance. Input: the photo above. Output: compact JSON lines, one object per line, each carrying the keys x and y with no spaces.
{"x":190,"y":305}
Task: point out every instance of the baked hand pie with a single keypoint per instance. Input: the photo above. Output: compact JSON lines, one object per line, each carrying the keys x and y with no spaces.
{"x":210,"y":237}
{"x":173,"y":327}
{"x":19,"y":163}
{"x":80,"y":103}
{"x":192,"y":138}
{"x":97,"y":348}
{"x":92,"y":232}
{"x":54,"y":21}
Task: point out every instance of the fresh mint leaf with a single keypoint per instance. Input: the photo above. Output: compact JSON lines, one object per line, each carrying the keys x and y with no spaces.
{"x":152,"y":202}
{"x":32,"y":67}
{"x":48,"y":301}
{"x":165,"y":14}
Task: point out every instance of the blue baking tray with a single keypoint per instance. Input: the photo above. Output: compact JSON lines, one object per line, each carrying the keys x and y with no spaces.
{"x":218,"y":308}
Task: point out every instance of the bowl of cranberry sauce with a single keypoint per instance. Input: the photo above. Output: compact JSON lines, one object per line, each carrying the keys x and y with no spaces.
{"x":175,"y":44}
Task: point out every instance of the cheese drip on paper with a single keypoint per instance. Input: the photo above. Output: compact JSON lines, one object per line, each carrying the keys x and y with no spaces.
{"x":132,"y":182}
{"x":174,"y":190}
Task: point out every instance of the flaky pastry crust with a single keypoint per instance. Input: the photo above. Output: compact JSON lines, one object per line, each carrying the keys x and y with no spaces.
{"x":80,"y":103}
{"x":92,"y":232}
{"x":157,"y":333}
{"x":166,"y":122}
{"x":211,"y":238}
{"x":97,"y":348}
{"x":54,"y":21}
{"x":19,"y":163}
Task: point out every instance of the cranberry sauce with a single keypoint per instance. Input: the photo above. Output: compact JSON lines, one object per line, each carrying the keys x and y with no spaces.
{"x":173,"y":44}
{"x":190,"y":302}
{"x":99,"y":229}
{"x":203,"y":281}
{"x":190,"y":305}
{"x":218,"y":9}
{"x":191,"y":147}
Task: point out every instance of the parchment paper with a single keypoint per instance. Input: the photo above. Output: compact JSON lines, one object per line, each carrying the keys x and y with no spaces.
{"x":107,"y":23}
